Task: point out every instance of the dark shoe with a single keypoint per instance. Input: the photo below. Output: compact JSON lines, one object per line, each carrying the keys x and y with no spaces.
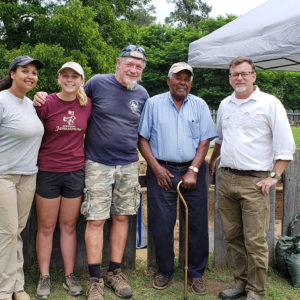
{"x":95,"y":289}
{"x":72,"y":285}
{"x":117,"y":281}
{"x":160,"y":282}
{"x":43,"y":288}
{"x":198,"y":286}
{"x":233,"y":292}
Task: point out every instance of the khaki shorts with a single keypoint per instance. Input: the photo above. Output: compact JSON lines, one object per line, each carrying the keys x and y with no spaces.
{"x":110,"y":190}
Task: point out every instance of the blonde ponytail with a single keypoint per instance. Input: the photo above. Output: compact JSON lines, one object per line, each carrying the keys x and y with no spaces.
{"x":81,"y":95}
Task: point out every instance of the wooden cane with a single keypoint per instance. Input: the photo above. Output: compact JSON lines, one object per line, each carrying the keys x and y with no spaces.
{"x":186,"y":240}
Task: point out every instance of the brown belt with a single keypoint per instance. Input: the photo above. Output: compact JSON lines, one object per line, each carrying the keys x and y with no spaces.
{"x":245,"y":172}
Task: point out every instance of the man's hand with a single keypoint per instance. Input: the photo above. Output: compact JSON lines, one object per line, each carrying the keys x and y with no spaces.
{"x":39,"y":98}
{"x":189,"y":180}
{"x":163,"y":177}
{"x":212,"y":166}
{"x":265,"y":184}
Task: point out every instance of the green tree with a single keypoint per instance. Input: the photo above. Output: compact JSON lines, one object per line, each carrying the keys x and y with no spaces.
{"x":166,"y":45}
{"x":17,"y":19}
{"x":188,"y":12}
{"x":73,"y":28}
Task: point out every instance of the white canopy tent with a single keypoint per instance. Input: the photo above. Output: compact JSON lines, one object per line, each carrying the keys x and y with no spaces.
{"x":268,"y":34}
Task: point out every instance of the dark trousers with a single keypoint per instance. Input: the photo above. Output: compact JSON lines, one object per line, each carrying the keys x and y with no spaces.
{"x":162,"y":206}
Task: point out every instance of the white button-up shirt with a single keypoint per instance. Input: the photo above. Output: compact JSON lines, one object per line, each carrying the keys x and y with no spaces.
{"x":253,"y":132}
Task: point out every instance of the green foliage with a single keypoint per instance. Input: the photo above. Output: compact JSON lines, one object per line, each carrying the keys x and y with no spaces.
{"x":166,"y":45}
{"x":188,"y":12}
{"x":92,"y":32}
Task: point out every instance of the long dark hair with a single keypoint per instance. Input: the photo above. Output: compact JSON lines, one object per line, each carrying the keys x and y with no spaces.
{"x":6,"y":82}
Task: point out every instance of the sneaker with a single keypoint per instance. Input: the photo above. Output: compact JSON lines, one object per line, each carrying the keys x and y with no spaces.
{"x":43,"y":288}
{"x":198,"y":286}
{"x":160,"y":282}
{"x":21,"y":295}
{"x":95,"y":289}
{"x":72,"y":285}
{"x":117,"y":281}
{"x":233,"y":292}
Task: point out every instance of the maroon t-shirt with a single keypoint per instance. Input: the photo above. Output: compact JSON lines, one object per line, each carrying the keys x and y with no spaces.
{"x":65,"y":123}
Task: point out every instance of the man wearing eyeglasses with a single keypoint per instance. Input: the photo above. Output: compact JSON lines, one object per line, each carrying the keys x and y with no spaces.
{"x":111,"y":167}
{"x":256,"y":144}
{"x":174,"y":134}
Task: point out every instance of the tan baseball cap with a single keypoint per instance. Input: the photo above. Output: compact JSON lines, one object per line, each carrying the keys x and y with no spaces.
{"x":74,"y":66}
{"x":180,"y":66}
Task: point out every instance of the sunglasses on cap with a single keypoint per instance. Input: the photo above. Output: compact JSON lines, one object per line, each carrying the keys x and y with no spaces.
{"x":127,"y":50}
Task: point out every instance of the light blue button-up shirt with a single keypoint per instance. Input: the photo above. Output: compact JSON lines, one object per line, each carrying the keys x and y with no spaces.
{"x":173,"y":134}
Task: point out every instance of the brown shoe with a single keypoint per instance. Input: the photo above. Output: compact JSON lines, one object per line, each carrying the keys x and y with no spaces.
{"x":21,"y":295}
{"x":95,"y":289}
{"x":117,"y":281}
{"x":198,"y":286}
{"x":160,"y":282}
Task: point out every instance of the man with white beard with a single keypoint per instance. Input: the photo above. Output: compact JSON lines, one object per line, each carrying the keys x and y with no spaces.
{"x":111,"y":167}
{"x":256,"y":145}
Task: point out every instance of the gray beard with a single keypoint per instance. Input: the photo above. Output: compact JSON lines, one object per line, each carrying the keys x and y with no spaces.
{"x":130,"y":84}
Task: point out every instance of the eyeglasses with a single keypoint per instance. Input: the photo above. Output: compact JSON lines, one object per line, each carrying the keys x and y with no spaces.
{"x":243,"y":74}
{"x":126,"y":51}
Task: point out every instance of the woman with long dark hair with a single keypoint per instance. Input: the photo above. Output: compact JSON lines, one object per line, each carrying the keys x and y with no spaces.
{"x":21,"y":133}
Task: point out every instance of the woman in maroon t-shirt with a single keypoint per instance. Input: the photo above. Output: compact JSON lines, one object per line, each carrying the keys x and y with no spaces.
{"x":60,"y":180}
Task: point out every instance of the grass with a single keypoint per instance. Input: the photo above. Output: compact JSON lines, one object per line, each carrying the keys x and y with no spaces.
{"x":141,"y":282}
{"x":296,"y":134}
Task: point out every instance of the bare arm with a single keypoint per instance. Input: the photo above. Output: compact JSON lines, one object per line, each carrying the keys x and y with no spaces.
{"x":190,"y":177}
{"x":214,"y":156}
{"x":163,"y":175}
{"x":266,"y":183}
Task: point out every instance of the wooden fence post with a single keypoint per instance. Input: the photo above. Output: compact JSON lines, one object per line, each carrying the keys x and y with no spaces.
{"x":291,"y":193}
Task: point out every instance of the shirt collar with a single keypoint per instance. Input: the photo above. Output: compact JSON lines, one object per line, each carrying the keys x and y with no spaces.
{"x":171,"y":99}
{"x":254,"y":96}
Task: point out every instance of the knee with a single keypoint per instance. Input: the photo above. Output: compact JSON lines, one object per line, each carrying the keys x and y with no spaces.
{"x":68,"y":228}
{"x":95,"y":225}
{"x":46,"y":229}
{"x":10,"y":232}
{"x":120,"y":219}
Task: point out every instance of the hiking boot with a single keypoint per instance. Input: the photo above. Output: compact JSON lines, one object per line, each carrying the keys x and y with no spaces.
{"x":160,"y":282}
{"x":117,"y":281}
{"x":72,"y":285}
{"x":21,"y":295}
{"x":233,"y":292}
{"x":95,"y":289}
{"x":198,"y":286}
{"x":43,"y":288}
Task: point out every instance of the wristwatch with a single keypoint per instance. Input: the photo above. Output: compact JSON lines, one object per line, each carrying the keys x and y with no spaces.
{"x":275,"y":175}
{"x":194,"y":169}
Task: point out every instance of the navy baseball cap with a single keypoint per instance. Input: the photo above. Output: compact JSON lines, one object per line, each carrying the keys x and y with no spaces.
{"x":25,"y":60}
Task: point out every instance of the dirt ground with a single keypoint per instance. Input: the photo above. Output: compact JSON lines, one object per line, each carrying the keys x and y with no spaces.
{"x":142,"y":253}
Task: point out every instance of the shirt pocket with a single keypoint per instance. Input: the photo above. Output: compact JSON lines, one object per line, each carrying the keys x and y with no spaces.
{"x":253,"y":120}
{"x":226,"y":121}
{"x":195,"y":129}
